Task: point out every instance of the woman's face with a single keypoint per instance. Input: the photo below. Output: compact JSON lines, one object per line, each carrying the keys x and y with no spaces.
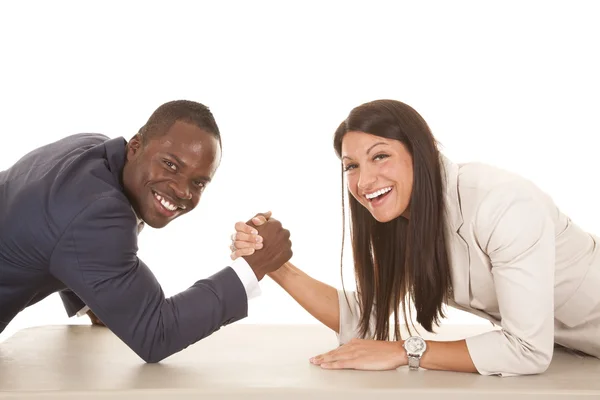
{"x":379,"y":173}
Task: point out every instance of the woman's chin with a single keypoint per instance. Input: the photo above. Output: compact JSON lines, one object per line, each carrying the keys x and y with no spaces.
{"x":383,"y":217}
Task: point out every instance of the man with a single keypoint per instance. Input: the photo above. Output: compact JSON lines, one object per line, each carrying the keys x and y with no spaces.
{"x":70,"y":213}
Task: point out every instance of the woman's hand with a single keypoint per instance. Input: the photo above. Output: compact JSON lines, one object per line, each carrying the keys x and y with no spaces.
{"x":373,"y":355}
{"x":246,"y":240}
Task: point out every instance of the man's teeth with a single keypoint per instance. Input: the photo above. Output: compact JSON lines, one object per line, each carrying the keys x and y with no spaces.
{"x":165,"y":203}
{"x":378,"y":193}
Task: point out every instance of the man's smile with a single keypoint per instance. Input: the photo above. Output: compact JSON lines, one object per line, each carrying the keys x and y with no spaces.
{"x":168,"y":206}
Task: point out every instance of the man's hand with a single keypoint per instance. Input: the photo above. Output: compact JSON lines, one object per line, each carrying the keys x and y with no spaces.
{"x":276,"y":248}
{"x":95,"y":320}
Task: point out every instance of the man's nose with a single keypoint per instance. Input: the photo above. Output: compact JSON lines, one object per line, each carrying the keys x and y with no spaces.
{"x":181,"y":190}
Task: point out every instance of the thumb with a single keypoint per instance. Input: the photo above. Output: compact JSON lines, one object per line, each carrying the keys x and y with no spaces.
{"x":261,"y":218}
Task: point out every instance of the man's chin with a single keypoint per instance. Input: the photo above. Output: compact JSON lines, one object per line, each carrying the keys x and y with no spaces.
{"x":157,"y":223}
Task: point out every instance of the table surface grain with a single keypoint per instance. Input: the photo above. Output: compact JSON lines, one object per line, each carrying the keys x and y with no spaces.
{"x":254,"y":361}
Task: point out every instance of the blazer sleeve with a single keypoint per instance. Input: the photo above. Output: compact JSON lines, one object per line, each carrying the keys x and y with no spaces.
{"x":514,"y":229}
{"x":97,"y":259}
{"x":71,"y":302}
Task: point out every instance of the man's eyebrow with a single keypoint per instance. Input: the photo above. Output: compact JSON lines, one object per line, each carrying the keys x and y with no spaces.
{"x":180,"y":162}
{"x":177,"y":159}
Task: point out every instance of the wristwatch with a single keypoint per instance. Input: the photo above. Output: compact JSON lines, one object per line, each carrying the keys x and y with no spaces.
{"x":415,"y":346}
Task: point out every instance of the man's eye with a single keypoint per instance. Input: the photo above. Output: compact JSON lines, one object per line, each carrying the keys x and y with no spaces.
{"x":170,"y":165}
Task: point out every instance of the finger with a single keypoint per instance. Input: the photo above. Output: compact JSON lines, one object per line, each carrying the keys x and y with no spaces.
{"x":243,"y":227}
{"x":245,"y":245}
{"x":344,"y":364}
{"x":258,"y":221}
{"x":246,"y":237}
{"x":325,"y":356}
{"x":338,"y":356}
{"x":341,"y":353}
{"x":241,"y":252}
{"x":261,"y":218}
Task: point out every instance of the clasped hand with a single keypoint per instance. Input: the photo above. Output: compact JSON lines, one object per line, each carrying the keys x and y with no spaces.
{"x":269,"y":236}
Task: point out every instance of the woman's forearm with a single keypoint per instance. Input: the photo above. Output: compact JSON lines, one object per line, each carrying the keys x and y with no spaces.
{"x":318,"y":298}
{"x":448,"y":356}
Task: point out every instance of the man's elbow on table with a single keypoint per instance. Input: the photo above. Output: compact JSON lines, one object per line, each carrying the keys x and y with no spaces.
{"x":157,"y":351}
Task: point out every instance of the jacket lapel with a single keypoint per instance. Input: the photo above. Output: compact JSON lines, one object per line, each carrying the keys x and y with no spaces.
{"x":458,"y":251}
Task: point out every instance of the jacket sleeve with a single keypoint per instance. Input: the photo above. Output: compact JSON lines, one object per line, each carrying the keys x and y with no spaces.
{"x":514,"y":229}
{"x":71,"y":302}
{"x":97,"y":259}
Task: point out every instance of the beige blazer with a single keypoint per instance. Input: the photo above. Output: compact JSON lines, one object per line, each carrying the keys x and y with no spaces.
{"x":519,"y":262}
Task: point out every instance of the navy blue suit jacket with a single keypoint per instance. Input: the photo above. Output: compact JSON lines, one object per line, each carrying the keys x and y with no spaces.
{"x":66,"y":226}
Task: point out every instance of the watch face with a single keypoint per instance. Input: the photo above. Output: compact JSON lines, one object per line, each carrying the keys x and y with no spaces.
{"x":414,"y":345}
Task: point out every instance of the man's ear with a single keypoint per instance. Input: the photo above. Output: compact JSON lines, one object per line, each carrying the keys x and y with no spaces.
{"x":134,"y":147}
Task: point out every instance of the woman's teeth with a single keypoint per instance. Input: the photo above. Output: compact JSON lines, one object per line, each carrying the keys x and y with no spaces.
{"x":378,"y":193}
{"x":165,"y":203}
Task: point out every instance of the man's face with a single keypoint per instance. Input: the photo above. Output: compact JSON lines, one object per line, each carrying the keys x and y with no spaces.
{"x":166,"y":177}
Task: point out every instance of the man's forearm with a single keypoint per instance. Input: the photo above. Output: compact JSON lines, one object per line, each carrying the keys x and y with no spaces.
{"x":318,"y":298}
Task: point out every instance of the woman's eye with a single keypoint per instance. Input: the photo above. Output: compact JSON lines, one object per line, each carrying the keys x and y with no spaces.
{"x":380,"y":157}
{"x":349,"y":167}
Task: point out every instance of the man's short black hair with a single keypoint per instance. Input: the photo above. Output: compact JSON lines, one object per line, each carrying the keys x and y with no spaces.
{"x":188,"y":111}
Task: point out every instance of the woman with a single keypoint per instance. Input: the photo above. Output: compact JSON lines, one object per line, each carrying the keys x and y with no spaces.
{"x":432,"y":232}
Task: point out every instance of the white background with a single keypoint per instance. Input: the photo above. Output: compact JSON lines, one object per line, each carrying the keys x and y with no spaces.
{"x":511,"y":83}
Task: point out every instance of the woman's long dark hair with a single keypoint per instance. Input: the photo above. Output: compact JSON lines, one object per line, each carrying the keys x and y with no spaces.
{"x":403,"y":260}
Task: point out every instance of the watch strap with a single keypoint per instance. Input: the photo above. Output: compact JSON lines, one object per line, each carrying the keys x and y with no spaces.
{"x":414,"y":362}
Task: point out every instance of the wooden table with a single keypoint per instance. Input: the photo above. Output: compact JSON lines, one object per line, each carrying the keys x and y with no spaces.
{"x":253,"y":362}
